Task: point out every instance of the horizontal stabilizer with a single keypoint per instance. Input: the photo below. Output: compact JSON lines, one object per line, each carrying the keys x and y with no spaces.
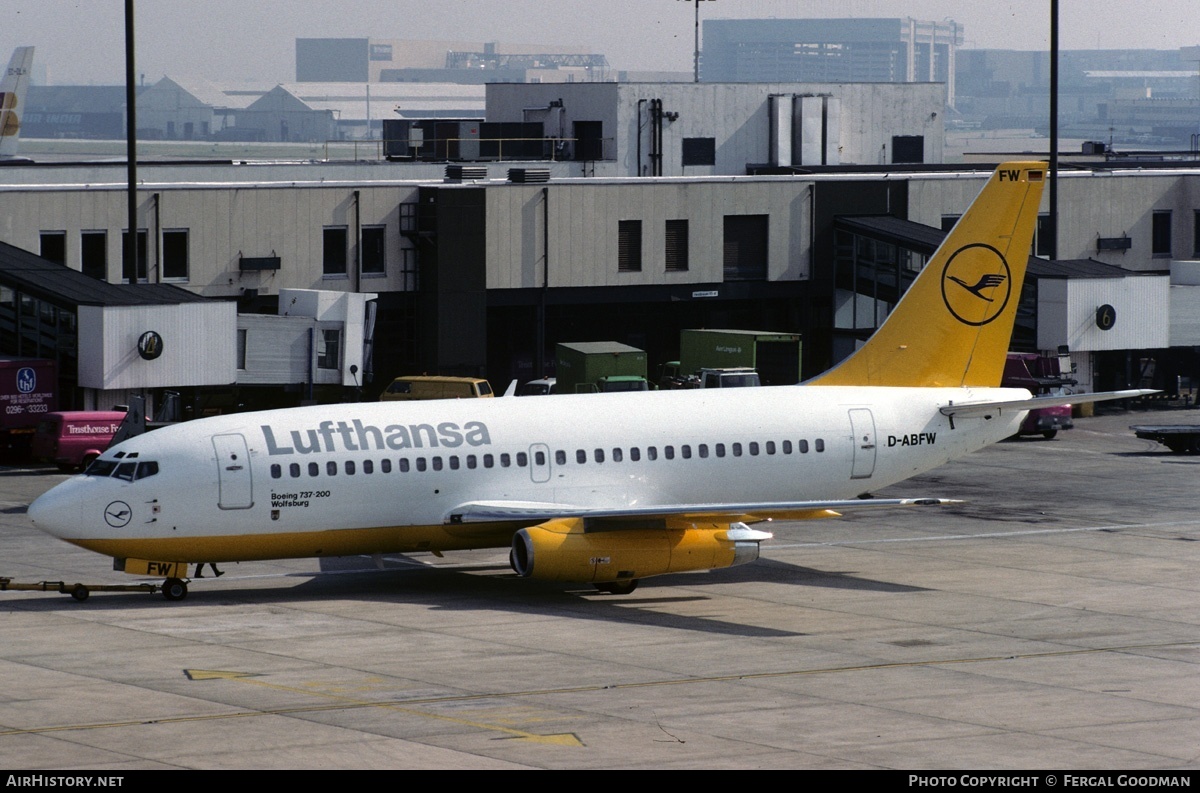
{"x":486,"y":511}
{"x":1033,"y":403}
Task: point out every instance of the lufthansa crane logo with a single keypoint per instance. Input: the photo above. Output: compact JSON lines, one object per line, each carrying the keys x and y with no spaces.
{"x":150,"y":345}
{"x":117,"y":514}
{"x":976,"y":284}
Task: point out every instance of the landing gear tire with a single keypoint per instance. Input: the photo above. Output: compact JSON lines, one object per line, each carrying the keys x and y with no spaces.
{"x":618,"y":587}
{"x":80,"y":592}
{"x":174,"y":589}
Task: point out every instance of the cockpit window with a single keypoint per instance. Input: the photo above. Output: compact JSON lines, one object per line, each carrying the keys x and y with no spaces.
{"x":101,"y":467}
{"x":129,"y":470}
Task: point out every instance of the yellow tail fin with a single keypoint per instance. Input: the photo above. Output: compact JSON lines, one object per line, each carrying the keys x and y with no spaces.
{"x":954,"y":324}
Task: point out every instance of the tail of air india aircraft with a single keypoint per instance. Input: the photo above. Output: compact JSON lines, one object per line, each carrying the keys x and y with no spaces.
{"x":954,"y":325}
{"x":12,"y":97}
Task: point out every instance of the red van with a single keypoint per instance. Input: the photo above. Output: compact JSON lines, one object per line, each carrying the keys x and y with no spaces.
{"x":71,"y":439}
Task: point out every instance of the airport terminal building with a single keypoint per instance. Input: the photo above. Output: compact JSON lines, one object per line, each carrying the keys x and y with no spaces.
{"x":481,"y":267}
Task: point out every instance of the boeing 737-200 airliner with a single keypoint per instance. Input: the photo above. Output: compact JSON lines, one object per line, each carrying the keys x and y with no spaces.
{"x":604,"y":489}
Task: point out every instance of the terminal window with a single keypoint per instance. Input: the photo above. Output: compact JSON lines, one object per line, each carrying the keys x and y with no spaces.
{"x":677,"y":245}
{"x":93,"y":254}
{"x":374,"y":259}
{"x":1160,"y":234}
{"x":54,"y":246}
{"x":329,"y":342}
{"x":699,"y":151}
{"x":333,"y":258}
{"x":629,"y":246}
{"x":127,"y":271}
{"x":175,"y":254}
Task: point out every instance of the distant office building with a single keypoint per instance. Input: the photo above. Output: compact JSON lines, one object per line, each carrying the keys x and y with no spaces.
{"x":399,"y":60}
{"x":830,"y":50}
{"x":1130,"y":97}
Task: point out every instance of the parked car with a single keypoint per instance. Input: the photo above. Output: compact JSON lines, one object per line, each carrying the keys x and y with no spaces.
{"x":411,"y":387}
{"x":545,"y":385}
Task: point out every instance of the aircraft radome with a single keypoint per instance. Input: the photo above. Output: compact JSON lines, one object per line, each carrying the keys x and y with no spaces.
{"x":604,"y":489}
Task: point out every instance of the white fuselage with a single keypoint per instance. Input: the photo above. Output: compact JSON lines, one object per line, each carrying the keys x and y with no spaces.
{"x":387,"y":477}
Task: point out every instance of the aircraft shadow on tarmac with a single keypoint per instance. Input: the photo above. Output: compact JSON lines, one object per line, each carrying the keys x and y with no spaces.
{"x":491,"y":587}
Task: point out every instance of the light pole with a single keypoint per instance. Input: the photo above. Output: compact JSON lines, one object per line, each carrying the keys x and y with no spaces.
{"x":131,"y":252}
{"x":1053,"y":130}
{"x":696,"y":51}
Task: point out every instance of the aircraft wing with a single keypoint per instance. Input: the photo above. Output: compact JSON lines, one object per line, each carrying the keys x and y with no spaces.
{"x":1033,"y":403}
{"x":533,"y":511}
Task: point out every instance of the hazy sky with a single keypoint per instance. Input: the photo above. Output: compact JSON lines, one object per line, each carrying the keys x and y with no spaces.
{"x":254,"y":40}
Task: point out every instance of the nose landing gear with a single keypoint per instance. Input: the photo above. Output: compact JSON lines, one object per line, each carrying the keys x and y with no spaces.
{"x":174,"y":589}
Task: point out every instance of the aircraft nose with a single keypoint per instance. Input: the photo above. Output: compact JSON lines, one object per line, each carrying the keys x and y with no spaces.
{"x":58,"y":511}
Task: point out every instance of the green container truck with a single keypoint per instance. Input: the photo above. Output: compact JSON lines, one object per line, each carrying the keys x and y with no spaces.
{"x":775,"y":356}
{"x":599,"y":366}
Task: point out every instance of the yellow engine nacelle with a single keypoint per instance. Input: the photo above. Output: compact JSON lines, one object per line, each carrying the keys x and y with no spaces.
{"x":561,"y":550}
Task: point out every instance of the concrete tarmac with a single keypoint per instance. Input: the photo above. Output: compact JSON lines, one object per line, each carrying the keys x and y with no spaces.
{"x":1051,"y":622}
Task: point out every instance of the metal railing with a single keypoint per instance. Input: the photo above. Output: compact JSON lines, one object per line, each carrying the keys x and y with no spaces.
{"x":472,"y":149}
